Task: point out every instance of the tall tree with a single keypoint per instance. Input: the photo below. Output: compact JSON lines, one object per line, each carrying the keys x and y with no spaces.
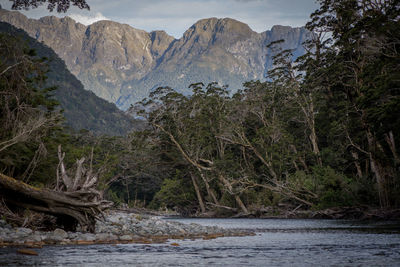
{"x":27,"y":113}
{"x":361,"y":70}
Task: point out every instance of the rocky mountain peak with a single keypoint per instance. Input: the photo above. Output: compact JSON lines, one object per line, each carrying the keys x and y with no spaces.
{"x":213,"y":29}
{"x":221,"y":24}
{"x":281,"y":28}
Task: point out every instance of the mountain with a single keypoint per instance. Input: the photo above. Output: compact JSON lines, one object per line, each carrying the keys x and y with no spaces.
{"x":122,"y":64}
{"x":82,"y":108}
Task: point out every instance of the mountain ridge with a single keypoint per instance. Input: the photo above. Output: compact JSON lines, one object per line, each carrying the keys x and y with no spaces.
{"x":122,"y":64}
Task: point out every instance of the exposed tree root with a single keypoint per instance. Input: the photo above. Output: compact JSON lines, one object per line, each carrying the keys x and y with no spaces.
{"x":80,"y":204}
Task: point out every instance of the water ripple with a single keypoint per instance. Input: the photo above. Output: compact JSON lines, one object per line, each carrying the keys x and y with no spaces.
{"x":277,"y":243}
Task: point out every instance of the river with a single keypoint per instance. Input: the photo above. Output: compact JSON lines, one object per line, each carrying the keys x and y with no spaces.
{"x":278,"y":242}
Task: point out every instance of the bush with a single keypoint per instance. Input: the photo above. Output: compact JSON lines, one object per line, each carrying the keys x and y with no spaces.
{"x":113,"y":196}
{"x":331,"y":187}
{"x":175,"y":194}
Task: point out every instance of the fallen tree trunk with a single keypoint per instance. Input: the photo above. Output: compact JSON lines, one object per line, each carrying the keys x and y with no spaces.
{"x":70,"y":208}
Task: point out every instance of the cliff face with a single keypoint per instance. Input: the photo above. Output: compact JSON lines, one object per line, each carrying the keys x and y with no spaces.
{"x":113,"y":53}
{"x":122,"y":64}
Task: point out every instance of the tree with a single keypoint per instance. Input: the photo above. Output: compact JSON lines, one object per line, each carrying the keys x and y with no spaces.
{"x":297,"y":93}
{"x":171,"y":118}
{"x":28,"y":115}
{"x":361,"y":74}
{"x":260,"y":124}
{"x":59,"y":5}
{"x":191,"y":125}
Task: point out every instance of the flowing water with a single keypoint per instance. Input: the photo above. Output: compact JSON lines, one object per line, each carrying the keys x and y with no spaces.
{"x":276,"y":243}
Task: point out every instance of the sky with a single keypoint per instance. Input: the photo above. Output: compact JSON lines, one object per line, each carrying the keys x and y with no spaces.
{"x":176,"y":16}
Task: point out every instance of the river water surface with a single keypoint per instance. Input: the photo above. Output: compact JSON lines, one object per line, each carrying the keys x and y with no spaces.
{"x":276,"y":243}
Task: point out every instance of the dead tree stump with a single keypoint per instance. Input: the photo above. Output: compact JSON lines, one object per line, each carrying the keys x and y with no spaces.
{"x":74,"y":201}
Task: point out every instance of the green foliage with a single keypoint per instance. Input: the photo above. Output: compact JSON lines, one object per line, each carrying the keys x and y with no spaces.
{"x":333,"y":188}
{"x":28,"y":115}
{"x":174,"y":194}
{"x":113,"y":196}
{"x":301,"y":180}
{"x":360,"y":70}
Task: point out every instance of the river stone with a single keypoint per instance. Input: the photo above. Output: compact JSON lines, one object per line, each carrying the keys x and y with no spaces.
{"x":50,"y":237}
{"x":72,"y":235}
{"x":87,"y":237}
{"x":21,"y":231}
{"x":106,"y":237}
{"x":36,"y":237}
{"x":142,"y":232}
{"x":113,"y":219}
{"x":126,"y":238}
{"x":5,"y":231}
{"x":60,"y":234}
{"x":124,"y":228}
{"x":116,"y":231}
{"x":159,"y":223}
{"x":102,"y":236}
{"x":112,"y":237}
{"x":159,"y":233}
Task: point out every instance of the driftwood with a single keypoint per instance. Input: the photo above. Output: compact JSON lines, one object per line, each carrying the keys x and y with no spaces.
{"x":222,"y":206}
{"x":74,"y":201}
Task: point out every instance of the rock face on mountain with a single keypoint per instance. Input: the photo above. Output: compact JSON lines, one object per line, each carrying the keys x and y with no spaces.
{"x":122,"y":64}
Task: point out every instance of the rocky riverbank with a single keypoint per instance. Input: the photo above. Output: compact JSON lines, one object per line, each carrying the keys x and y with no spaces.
{"x":116,"y":227}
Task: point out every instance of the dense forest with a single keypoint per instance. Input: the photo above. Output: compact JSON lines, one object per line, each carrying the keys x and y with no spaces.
{"x":321,"y":132}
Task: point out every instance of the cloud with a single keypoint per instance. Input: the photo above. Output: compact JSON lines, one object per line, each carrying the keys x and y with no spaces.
{"x":88,"y":19}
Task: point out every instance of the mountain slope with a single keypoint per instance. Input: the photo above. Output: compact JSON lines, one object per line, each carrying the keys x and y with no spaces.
{"x":82,"y":108}
{"x":123,"y":64}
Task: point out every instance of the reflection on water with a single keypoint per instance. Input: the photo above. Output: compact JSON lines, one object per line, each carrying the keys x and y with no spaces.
{"x":277,"y":243}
